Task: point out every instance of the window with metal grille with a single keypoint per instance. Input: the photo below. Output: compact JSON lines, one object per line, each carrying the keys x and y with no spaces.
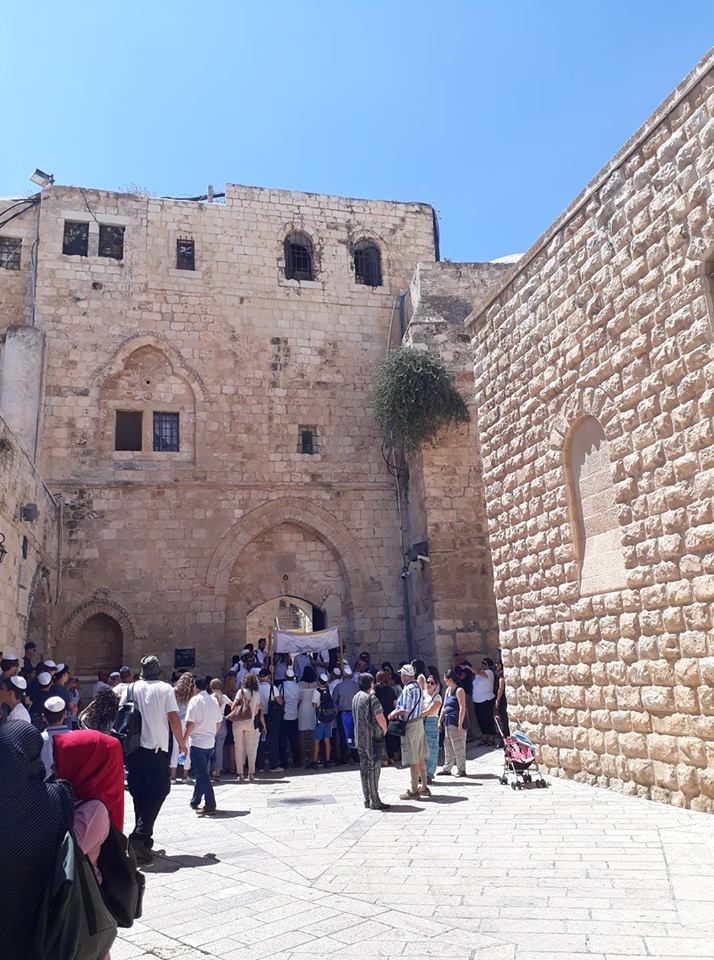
{"x":76,"y":238}
{"x":368,"y":264}
{"x":111,"y":241}
{"x":127,"y":430}
{"x":10,"y":253}
{"x":298,"y":257}
{"x":166,"y":432}
{"x":185,"y":255}
{"x":307,"y":440}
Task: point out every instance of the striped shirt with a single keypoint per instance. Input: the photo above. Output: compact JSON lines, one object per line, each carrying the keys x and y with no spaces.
{"x":410,"y":700}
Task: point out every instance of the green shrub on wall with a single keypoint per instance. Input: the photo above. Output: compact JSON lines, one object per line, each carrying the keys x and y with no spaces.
{"x":414,"y":396}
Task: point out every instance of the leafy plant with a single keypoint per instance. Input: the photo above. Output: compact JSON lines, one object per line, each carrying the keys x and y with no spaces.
{"x":414,"y":396}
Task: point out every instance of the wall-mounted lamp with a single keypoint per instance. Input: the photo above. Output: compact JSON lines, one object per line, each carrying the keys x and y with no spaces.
{"x":29,"y":512}
{"x":41,"y":178}
{"x":3,"y":551}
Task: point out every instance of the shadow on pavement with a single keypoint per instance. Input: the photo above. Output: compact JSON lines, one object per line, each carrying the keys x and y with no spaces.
{"x":435,"y":798}
{"x":165,"y":864}
{"x":404,"y":808}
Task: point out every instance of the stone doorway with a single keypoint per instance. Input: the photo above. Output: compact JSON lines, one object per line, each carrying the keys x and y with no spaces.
{"x":292,"y":613}
{"x":100,"y":645}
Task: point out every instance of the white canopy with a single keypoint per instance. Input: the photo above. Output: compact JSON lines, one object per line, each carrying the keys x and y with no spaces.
{"x":290,"y":641}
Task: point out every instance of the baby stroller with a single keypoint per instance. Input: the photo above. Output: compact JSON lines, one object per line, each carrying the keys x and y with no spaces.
{"x":519,"y":761}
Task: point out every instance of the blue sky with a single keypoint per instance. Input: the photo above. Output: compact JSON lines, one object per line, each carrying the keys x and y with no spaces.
{"x":496,"y":113}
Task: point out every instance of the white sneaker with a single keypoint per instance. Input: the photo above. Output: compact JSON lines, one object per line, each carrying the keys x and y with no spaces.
{"x":277,"y":770}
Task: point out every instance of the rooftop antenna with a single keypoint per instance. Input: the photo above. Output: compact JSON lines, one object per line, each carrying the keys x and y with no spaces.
{"x":209,"y":193}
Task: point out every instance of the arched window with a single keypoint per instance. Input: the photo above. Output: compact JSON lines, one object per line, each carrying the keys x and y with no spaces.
{"x":368,"y":264}
{"x":596,"y":527}
{"x":298,"y":257}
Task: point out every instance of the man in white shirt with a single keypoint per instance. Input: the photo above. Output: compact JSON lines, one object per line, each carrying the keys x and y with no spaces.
{"x":125,"y":679}
{"x":55,"y":714}
{"x":203,"y":718}
{"x":261,"y":656}
{"x":289,"y":733}
{"x":148,"y":766}
{"x":12,"y":690}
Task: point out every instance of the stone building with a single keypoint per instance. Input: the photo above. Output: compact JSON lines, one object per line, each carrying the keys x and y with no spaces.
{"x":195,"y":381}
{"x":594,"y":389}
{"x":187,"y":450}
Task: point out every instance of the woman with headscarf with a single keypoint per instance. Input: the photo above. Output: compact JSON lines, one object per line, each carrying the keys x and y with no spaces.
{"x":93,"y":764}
{"x":40,"y":814}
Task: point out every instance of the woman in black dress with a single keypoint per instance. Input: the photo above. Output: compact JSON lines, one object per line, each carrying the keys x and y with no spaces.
{"x":387,"y":696}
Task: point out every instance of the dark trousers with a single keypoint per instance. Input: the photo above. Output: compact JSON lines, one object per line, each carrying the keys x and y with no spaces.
{"x":201,"y":770}
{"x":289,"y":734}
{"x":149,"y":786}
{"x":274,"y":725}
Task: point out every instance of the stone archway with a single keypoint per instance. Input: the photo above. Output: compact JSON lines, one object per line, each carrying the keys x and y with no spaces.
{"x":99,"y":634}
{"x":290,"y":547}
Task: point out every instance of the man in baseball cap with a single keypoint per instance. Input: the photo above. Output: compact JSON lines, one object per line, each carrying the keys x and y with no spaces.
{"x":28,"y":669}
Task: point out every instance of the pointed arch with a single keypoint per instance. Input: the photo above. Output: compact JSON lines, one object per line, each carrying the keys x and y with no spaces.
{"x":302,"y":513}
{"x":115,"y":364}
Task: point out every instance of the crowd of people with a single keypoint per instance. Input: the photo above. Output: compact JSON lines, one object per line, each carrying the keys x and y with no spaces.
{"x":264,"y":716}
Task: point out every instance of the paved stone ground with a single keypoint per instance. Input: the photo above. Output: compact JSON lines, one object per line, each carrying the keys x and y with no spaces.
{"x":479,"y":871}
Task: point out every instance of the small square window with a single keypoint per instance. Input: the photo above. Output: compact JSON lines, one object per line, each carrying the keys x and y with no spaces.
{"x":166,"y":432}
{"x":10,"y":253}
{"x":185,"y":255}
{"x":76,"y":238}
{"x":127,"y":433}
{"x":111,"y":241}
{"x":307,"y":440}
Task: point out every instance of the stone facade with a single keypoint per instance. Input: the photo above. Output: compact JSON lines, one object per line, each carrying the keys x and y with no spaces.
{"x":451,"y":596}
{"x":167,"y":549}
{"x":594,"y":377}
{"x":29,"y":572}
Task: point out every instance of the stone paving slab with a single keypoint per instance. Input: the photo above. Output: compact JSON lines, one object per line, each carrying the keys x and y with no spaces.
{"x":479,"y":872}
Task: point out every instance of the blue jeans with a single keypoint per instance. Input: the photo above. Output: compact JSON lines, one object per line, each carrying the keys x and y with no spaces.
{"x":200,"y":768}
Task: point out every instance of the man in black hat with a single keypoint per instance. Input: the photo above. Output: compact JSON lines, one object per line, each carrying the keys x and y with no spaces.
{"x":148,"y":766}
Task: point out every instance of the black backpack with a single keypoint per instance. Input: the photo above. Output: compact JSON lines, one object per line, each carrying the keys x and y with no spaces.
{"x":127,"y":725}
{"x":122,"y":886}
{"x":326,"y":712}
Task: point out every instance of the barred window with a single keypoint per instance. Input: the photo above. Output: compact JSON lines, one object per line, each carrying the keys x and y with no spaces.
{"x":10,"y":253}
{"x":76,"y":238}
{"x":111,"y":241}
{"x":298,"y":257}
{"x":368,"y":264}
{"x":185,"y":255}
{"x":307,"y":440}
{"x":166,"y":432}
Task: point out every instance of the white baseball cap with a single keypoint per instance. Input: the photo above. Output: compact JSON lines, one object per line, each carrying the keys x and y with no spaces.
{"x":19,"y":682}
{"x":50,"y":663}
{"x":60,"y":667}
{"x":324,"y":677}
{"x":407,"y":670}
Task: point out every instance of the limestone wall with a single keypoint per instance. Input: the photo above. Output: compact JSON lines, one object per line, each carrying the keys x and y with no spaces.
{"x":611,"y":661}
{"x":451,"y":596}
{"x":28,"y":573}
{"x":157,"y":540}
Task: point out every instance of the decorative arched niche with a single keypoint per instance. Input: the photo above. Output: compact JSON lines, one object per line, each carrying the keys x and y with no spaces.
{"x":593,"y":509}
{"x":147,"y":408}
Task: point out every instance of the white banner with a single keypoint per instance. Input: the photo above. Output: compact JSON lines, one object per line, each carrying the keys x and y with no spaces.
{"x":287,"y":641}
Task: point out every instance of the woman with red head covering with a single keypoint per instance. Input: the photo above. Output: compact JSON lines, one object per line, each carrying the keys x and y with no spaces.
{"x":94,"y":764}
